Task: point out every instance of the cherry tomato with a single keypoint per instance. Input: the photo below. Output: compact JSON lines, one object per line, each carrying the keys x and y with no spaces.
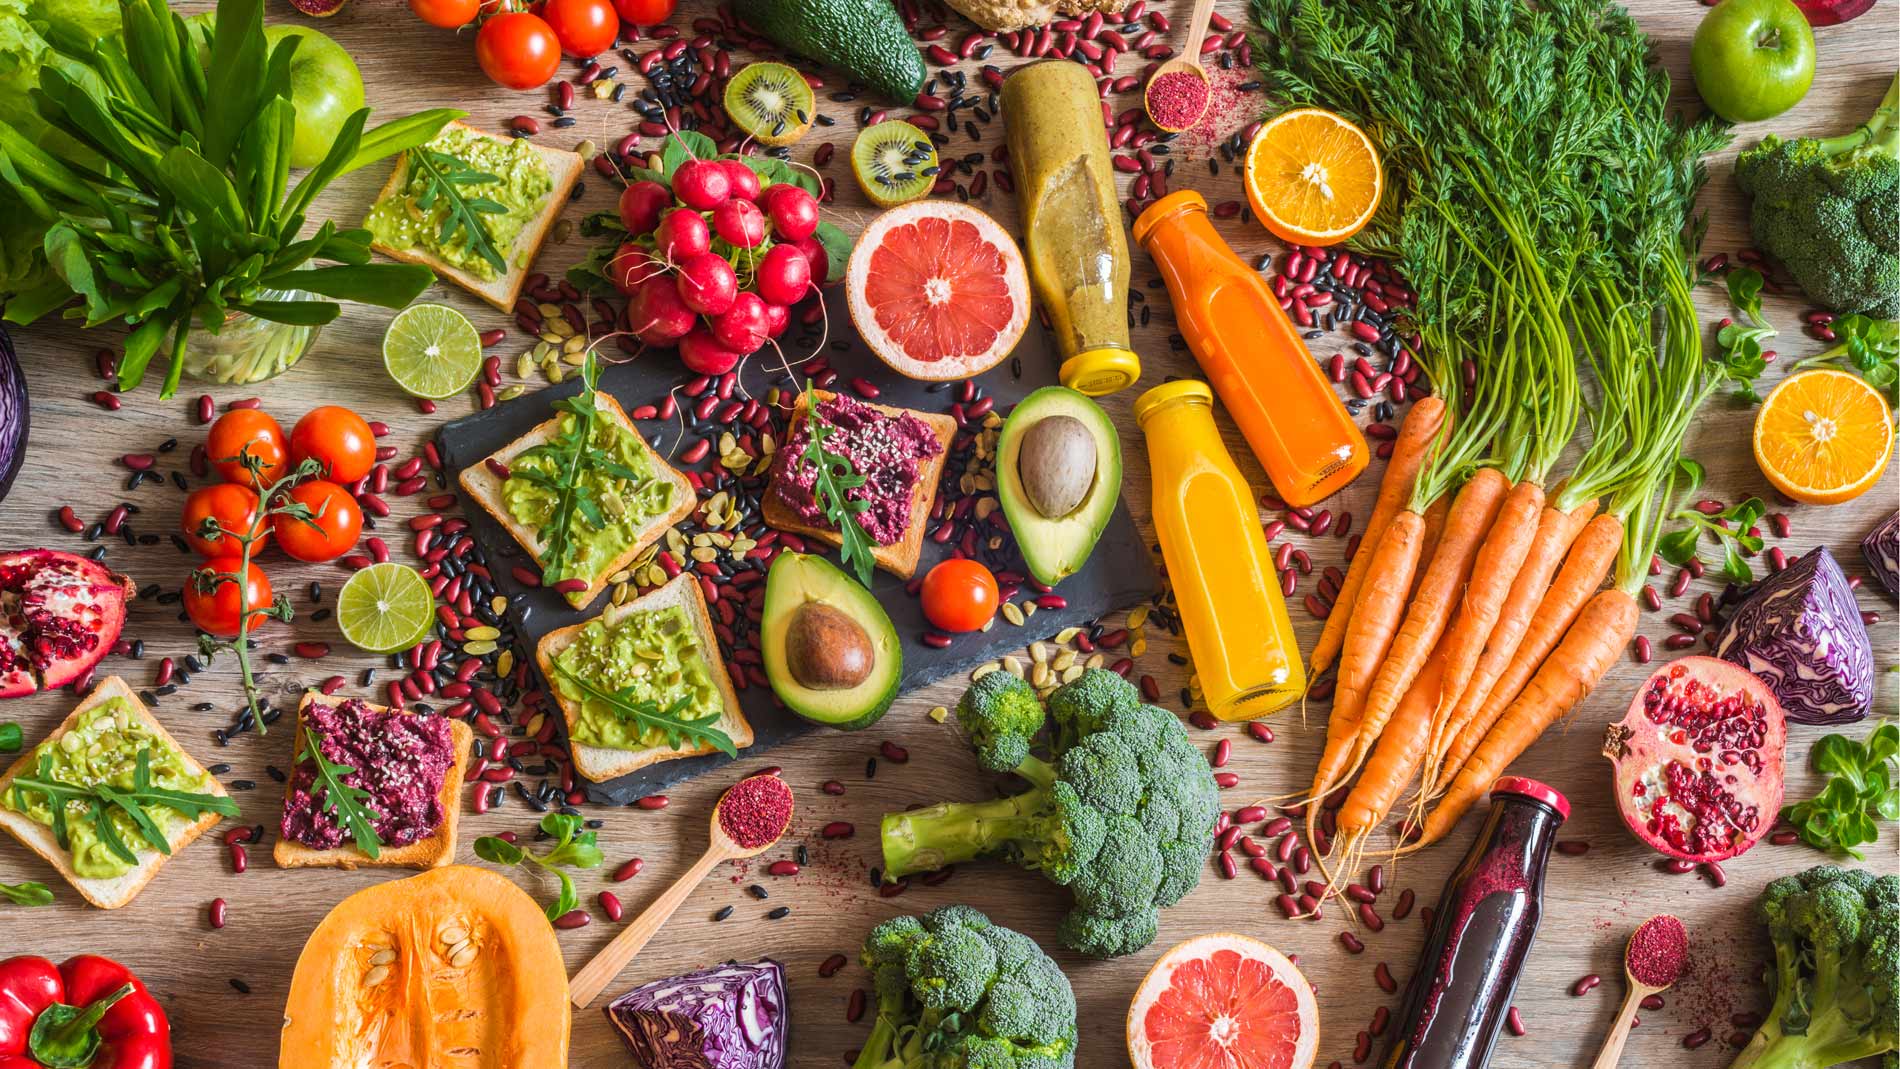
{"x":235,"y":509}
{"x":338,"y":519}
{"x":211,"y":596}
{"x":249,"y":431}
{"x":584,"y":27}
{"x":448,"y":14}
{"x":518,"y":50}
{"x":959,"y":595}
{"x":339,"y":439}
{"x":645,"y":12}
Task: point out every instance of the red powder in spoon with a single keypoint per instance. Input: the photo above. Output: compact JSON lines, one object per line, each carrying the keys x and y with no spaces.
{"x":1658,"y":951}
{"x":1176,"y":99}
{"x":755,"y":810}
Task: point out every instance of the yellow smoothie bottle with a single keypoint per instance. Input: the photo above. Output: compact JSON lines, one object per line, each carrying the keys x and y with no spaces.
{"x":1225,"y":586}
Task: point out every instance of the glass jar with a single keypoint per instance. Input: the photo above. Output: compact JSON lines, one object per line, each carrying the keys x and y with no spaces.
{"x":246,"y":348}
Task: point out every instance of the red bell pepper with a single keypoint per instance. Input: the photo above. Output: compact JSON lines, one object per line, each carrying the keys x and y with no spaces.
{"x":89,"y":1013}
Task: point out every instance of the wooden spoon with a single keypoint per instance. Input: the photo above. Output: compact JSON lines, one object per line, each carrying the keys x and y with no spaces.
{"x":1638,"y":991}
{"x":586,"y":984}
{"x":1188,"y":61}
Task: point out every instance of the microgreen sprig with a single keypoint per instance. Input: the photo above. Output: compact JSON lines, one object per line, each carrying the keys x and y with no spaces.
{"x":1869,"y":346}
{"x":572,"y":454}
{"x":443,"y":174}
{"x":833,"y":476}
{"x":27,"y":894}
{"x":1742,"y":359}
{"x":1732,"y":528}
{"x":1860,"y":791}
{"x":647,"y":714}
{"x":574,"y":847}
{"x":349,"y":804}
{"x":102,"y":800}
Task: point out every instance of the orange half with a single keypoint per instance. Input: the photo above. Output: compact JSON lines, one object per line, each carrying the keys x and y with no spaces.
{"x":1312,"y":177}
{"x":1823,"y":437}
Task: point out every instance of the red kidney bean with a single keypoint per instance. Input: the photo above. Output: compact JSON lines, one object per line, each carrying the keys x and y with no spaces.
{"x":838,"y":829}
{"x":1383,"y":975}
{"x":219,"y":912}
{"x":576,"y":918}
{"x":1585,"y":985}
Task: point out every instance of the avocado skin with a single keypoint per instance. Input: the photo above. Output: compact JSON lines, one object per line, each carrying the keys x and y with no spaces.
{"x":863,"y":38}
{"x":798,"y":578}
{"x":1054,"y":549}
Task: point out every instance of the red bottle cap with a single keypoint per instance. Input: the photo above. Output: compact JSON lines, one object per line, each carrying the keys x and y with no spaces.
{"x":1533,"y":789}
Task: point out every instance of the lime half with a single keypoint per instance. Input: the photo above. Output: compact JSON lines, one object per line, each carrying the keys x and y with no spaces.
{"x":432,"y":351}
{"x":385,"y":608}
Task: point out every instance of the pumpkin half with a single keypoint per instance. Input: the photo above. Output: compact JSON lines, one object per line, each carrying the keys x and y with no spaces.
{"x":453,"y":969}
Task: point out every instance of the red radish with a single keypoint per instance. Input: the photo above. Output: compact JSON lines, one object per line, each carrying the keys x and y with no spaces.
{"x":745,"y":180}
{"x":682,"y":234}
{"x":745,"y":326}
{"x":793,"y":211}
{"x":740,"y":222}
{"x":702,"y":184}
{"x":657,"y":314}
{"x":777,"y":318}
{"x":631,"y":266}
{"x":707,"y":283}
{"x":703,"y":355}
{"x":641,"y":204}
{"x":783,"y":275}
{"x":815,"y":255}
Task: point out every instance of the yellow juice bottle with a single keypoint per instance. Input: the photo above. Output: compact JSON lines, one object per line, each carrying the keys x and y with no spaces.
{"x":1225,"y":586}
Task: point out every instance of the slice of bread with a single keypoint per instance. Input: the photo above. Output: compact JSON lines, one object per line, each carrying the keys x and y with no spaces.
{"x":433,"y":852}
{"x":600,"y":763}
{"x":503,"y":290}
{"x":484,"y":486}
{"x":900,"y":557}
{"x":118,"y":890}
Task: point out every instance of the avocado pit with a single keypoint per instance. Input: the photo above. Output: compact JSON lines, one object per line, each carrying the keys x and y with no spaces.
{"x":826,"y":649}
{"x":1057,"y":464}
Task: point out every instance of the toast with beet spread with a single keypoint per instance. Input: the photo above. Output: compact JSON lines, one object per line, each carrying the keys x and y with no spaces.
{"x":899,"y":557}
{"x":482,"y":484}
{"x":116,"y":891}
{"x":433,"y":851}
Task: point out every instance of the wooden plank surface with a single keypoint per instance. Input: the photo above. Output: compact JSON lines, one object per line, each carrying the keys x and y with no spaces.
{"x":1592,"y":901}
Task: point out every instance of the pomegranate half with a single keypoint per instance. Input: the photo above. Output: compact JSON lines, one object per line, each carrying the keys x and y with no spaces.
{"x":1698,"y":760}
{"x":59,"y":615}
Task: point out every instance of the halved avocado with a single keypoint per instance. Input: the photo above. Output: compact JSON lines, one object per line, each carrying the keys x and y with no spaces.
{"x":830,"y":651}
{"x":1058,"y":475}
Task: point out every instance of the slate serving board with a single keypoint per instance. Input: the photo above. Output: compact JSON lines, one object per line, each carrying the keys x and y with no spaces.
{"x":1119,"y":574}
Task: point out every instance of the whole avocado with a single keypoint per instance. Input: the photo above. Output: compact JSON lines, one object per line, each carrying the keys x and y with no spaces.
{"x":863,"y":38}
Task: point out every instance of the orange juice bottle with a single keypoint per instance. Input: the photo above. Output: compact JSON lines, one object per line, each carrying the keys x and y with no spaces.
{"x":1225,"y":585}
{"x":1266,"y":378}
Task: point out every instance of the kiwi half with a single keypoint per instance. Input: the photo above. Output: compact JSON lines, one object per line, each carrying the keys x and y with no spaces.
{"x":894,"y":162}
{"x":770,"y":101}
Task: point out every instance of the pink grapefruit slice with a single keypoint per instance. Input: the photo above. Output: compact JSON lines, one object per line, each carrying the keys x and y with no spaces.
{"x":1223,"y":1001}
{"x":938,"y":290}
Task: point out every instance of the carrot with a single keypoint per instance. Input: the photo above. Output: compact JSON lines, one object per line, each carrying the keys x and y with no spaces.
{"x":1582,"y":573}
{"x":1393,"y":764}
{"x":1493,"y":570}
{"x":1589,"y":647}
{"x":1434,"y":530}
{"x":1408,"y":453}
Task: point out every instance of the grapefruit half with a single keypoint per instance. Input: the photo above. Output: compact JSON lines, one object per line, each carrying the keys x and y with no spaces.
{"x":938,"y":290}
{"x":1223,"y":1001}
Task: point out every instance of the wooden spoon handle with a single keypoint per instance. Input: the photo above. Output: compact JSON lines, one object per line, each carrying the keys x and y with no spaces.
{"x":1620,"y":1032}
{"x":1197,"y":31}
{"x":586,"y":984}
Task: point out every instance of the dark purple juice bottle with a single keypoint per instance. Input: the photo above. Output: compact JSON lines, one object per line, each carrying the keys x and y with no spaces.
{"x":1481,"y":933}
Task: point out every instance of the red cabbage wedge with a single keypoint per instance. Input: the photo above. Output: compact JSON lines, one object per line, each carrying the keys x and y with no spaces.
{"x":1801,"y":632}
{"x":1881,"y":547}
{"x":13,"y":413}
{"x":730,"y":1016}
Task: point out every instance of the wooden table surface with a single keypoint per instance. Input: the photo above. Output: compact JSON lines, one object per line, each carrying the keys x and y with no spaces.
{"x":1592,"y":901}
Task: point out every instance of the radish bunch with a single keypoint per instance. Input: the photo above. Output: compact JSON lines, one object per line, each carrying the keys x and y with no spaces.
{"x":714,"y":264}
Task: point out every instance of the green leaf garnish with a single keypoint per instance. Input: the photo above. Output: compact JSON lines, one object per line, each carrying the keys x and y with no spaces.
{"x":647,"y":715}
{"x":27,"y":894}
{"x":348,"y":803}
{"x":443,"y":174}
{"x":574,"y":847}
{"x":101,"y":800}
{"x":1860,"y":791}
{"x":834,"y":476}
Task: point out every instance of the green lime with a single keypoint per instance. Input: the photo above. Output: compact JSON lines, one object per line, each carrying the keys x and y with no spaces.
{"x":385,"y":608}
{"x":432,"y":351}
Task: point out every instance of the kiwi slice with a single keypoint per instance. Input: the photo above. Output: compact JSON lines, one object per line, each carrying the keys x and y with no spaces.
{"x":894,"y":162}
{"x":770,"y":101}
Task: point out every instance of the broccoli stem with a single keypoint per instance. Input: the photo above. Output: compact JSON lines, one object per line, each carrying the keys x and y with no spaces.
{"x":1881,"y":129}
{"x":923,"y":840}
{"x":1831,"y":1039}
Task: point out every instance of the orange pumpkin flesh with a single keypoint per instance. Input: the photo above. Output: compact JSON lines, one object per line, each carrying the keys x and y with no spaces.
{"x":453,"y":969}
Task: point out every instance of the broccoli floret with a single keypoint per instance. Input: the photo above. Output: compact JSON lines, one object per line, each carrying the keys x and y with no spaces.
{"x":958,"y":992}
{"x":1836,"y":937}
{"x":1122,"y":811}
{"x":1828,"y":209}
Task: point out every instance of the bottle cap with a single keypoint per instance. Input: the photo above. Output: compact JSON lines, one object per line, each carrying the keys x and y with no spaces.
{"x":1170,"y":392}
{"x":1161,"y":209}
{"x":1534,"y":790}
{"x":1097,"y":372}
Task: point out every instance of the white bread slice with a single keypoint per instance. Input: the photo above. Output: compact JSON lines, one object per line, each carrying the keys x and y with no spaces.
{"x":504,"y":290}
{"x":900,"y":557}
{"x":484,"y":486}
{"x":600,"y":763}
{"x":118,"y":890}
{"x":433,"y":852}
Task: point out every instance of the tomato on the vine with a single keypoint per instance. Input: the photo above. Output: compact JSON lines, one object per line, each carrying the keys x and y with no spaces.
{"x":337,"y":517}
{"x":645,"y":12}
{"x":584,"y":27}
{"x":448,"y":14}
{"x":337,"y":437}
{"x":211,"y":596}
{"x":518,"y":50}
{"x":959,"y":595}
{"x":247,"y":430}
{"x":235,"y":509}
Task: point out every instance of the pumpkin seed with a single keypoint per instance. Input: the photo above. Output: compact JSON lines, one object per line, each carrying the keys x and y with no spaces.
{"x":1013,"y":613}
{"x":376,"y":976}
{"x":383,"y":956}
{"x":461,"y":959}
{"x":453,"y":935}
{"x":983,"y":670}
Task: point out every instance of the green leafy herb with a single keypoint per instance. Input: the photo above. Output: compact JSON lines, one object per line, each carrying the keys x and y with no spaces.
{"x":27,"y":894}
{"x":1731,"y":528}
{"x":1869,"y":346}
{"x":442,"y":176}
{"x":574,"y":847}
{"x":102,"y":800}
{"x":10,"y":738}
{"x":834,"y":477}
{"x":350,"y":804}
{"x":1741,"y":360}
{"x":572,"y":454}
{"x":648,"y":715}
{"x":1860,"y":791}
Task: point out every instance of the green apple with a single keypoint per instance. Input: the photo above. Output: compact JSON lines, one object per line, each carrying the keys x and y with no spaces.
{"x":325,"y":88}
{"x":1752,"y":59}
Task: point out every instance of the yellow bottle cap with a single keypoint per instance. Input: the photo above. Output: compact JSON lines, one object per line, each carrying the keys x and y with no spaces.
{"x":1169,"y":392}
{"x":1097,"y":372}
{"x":1163,"y":208}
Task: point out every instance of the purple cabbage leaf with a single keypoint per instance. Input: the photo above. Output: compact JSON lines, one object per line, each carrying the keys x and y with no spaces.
{"x":730,"y":1016}
{"x":1801,"y":633}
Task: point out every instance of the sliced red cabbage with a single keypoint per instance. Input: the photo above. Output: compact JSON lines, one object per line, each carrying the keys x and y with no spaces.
{"x":1881,"y":547}
{"x":729,"y":1016}
{"x":1801,"y":633}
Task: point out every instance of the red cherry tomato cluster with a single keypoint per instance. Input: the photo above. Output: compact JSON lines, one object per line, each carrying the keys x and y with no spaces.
{"x":520,"y":44}
{"x":344,"y":449}
{"x":693,"y":244}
